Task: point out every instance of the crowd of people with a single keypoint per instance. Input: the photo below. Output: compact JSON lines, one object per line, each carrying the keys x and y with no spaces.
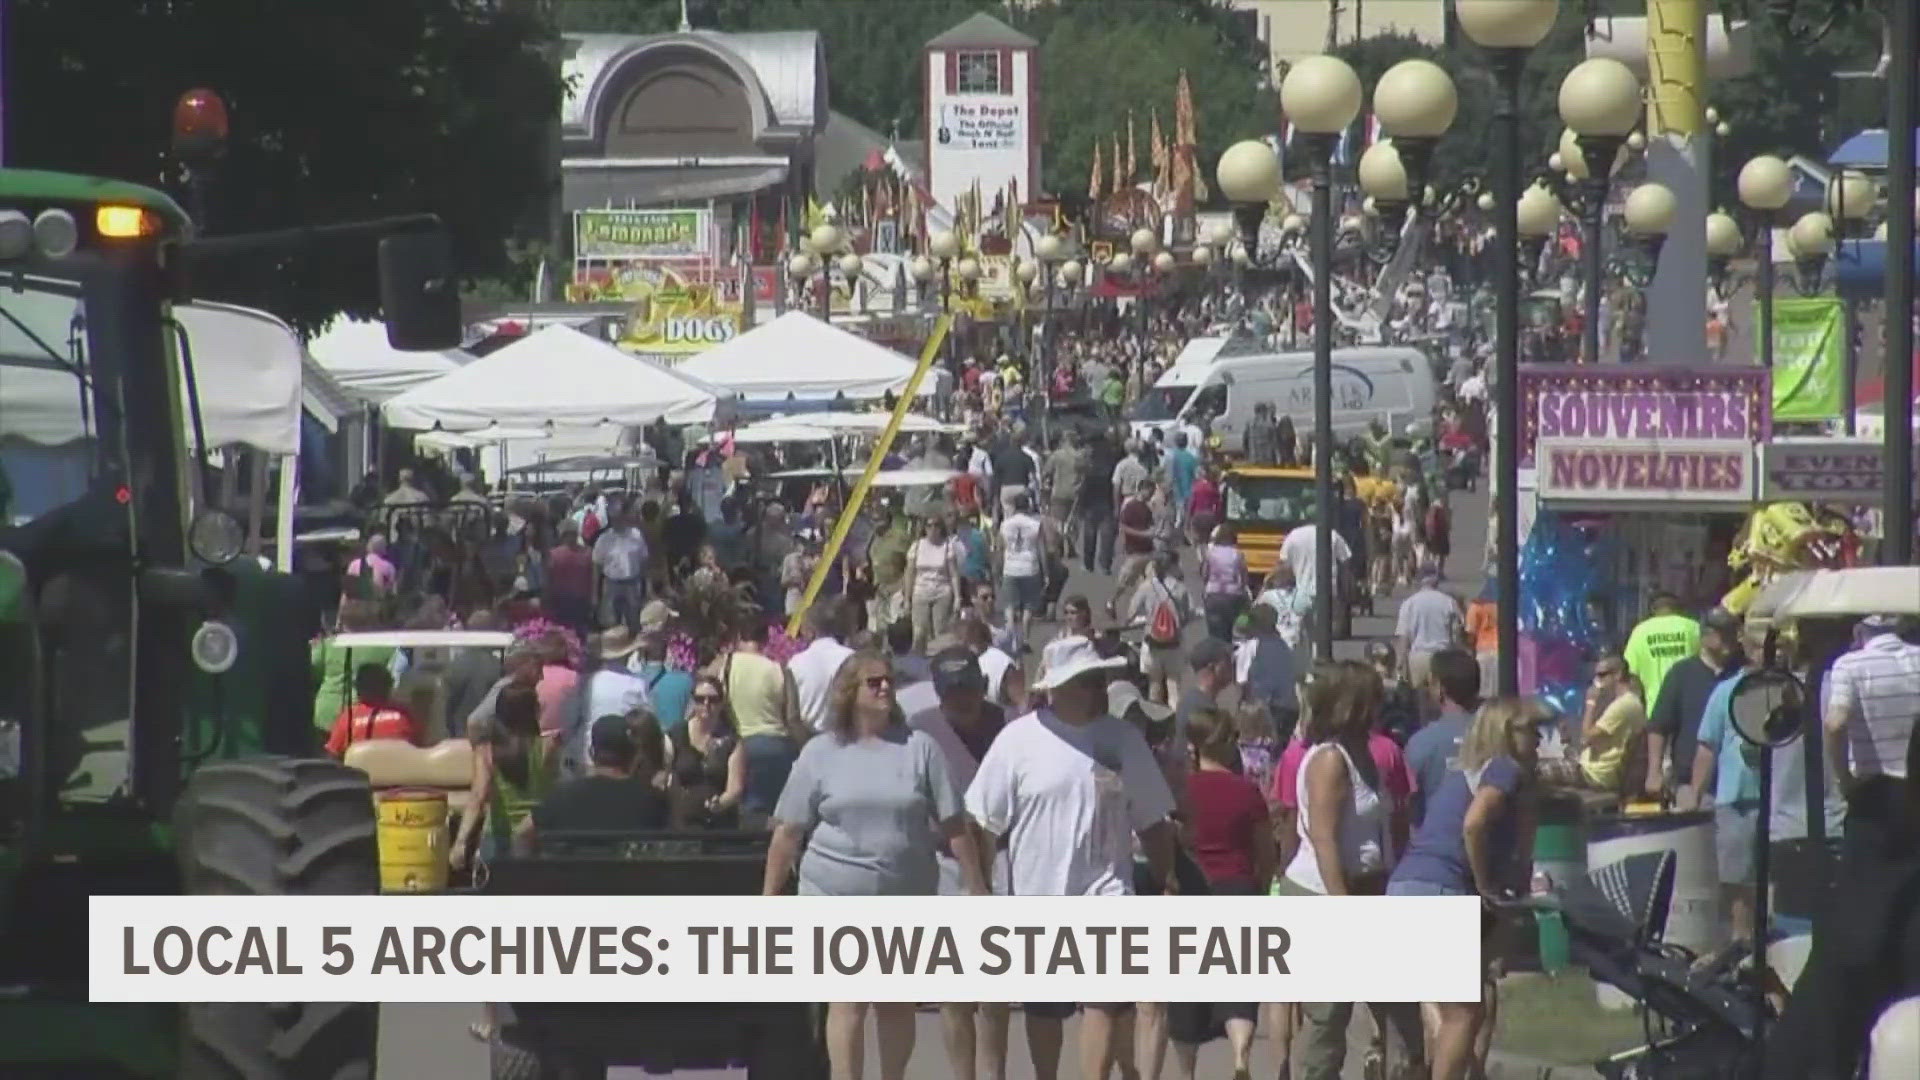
{"x":959,"y":715}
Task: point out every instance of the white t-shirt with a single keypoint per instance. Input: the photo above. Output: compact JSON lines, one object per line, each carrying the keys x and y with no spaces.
{"x":1069,"y":799}
{"x":813,"y":669}
{"x":1020,"y":543}
{"x":933,"y":567}
{"x":1298,"y":550}
{"x":994,"y":664}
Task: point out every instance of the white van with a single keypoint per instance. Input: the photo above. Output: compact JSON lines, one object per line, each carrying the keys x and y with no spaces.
{"x":1390,"y":383}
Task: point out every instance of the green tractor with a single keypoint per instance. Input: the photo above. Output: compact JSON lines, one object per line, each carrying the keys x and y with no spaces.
{"x":155,"y":703}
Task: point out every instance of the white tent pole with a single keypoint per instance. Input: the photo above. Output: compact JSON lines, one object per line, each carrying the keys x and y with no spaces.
{"x":283,"y":516}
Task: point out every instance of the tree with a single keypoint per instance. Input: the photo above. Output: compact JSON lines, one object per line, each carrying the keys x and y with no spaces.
{"x":340,"y":111}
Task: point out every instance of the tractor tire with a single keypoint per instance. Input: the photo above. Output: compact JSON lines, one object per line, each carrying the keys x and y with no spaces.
{"x":278,"y":827}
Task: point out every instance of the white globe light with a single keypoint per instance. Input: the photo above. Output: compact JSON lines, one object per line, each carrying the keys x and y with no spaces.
{"x":1143,"y":241}
{"x":1723,"y":129}
{"x":1812,"y":235}
{"x":1164,"y":262}
{"x":1293,"y":223}
{"x":1221,"y":234}
{"x":1370,"y":207}
{"x":1650,"y":210}
{"x":1321,"y":95}
{"x":1506,"y":24}
{"x":1850,"y":196}
{"x":1636,"y":142}
{"x":1538,"y":212}
{"x":921,"y":268}
{"x":1202,"y":255}
{"x":800,"y":266}
{"x":1049,"y":247}
{"x":1381,"y":173}
{"x":1556,"y":162}
{"x":1600,"y":96}
{"x":1723,"y":235}
{"x":1485,"y":202}
{"x":968,"y":269}
{"x":1070,"y":272}
{"x":827,"y":238}
{"x":850,"y":265}
{"x":1026,"y":271}
{"x":1120,"y":263}
{"x":1765,"y":183}
{"x":1416,"y":99}
{"x":943,"y":244}
{"x":1712,"y":115}
{"x":16,"y":234}
{"x":1249,"y":172}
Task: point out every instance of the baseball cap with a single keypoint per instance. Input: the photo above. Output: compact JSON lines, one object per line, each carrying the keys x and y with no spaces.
{"x":610,"y":739}
{"x":1208,"y":652}
{"x":956,"y":668}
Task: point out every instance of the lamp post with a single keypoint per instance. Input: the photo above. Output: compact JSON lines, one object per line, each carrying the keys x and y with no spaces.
{"x":1850,"y":198}
{"x":200,"y":127}
{"x":1810,"y":242}
{"x":801,"y":268}
{"x":828,"y":241}
{"x":1416,"y":103}
{"x":1508,"y":30}
{"x":1600,"y":104}
{"x":1765,"y":185}
{"x":1322,"y":96}
{"x":1723,"y":243}
{"x":1903,"y":33}
{"x":1145,"y":246}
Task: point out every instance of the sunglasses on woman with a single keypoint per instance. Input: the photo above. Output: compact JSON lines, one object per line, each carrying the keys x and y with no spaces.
{"x":879,"y":682}
{"x":706,"y":699}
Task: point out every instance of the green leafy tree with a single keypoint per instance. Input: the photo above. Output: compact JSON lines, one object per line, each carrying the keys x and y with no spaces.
{"x":341,"y":110}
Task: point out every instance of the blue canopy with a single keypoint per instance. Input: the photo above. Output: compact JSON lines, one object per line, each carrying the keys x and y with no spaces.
{"x":1860,"y":268}
{"x":1867,"y":150}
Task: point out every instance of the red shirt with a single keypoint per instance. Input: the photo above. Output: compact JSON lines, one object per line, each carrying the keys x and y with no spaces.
{"x":1226,"y":811}
{"x":361,"y":722}
{"x":1136,"y":514}
{"x":1205,"y":500}
{"x":570,"y":571}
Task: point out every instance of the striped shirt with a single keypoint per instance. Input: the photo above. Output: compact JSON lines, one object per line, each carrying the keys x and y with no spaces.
{"x":1878,"y":685}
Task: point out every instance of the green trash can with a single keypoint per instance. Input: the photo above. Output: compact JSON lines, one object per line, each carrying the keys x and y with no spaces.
{"x":1560,"y":858}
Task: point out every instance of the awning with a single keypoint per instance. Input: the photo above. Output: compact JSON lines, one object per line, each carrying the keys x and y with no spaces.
{"x":592,"y":189}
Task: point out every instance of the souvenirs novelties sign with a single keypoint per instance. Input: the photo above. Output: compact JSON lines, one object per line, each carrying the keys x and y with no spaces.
{"x":1643,"y":434}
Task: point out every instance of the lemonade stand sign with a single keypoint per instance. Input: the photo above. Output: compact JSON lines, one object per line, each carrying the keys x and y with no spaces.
{"x":641,"y":234}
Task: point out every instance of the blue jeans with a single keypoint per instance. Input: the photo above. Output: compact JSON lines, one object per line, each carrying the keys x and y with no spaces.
{"x":769,"y":759}
{"x":1399,"y":887}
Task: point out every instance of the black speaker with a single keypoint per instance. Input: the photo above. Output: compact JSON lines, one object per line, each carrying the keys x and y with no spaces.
{"x":418,"y":295}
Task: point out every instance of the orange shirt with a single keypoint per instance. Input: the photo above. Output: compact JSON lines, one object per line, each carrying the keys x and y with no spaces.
{"x":360,"y":722}
{"x":1483,"y":625}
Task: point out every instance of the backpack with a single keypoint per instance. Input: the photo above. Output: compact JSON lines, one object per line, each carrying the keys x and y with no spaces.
{"x":1163,"y":629}
{"x":589,"y":527}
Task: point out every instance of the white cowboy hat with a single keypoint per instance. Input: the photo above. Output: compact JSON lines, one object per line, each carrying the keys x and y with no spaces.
{"x":1068,"y":658}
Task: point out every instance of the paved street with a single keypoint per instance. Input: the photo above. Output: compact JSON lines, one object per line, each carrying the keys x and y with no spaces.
{"x":431,"y":1041}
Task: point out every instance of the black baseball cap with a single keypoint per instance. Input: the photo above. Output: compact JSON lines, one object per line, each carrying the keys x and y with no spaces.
{"x":956,"y":668}
{"x":611,"y":741}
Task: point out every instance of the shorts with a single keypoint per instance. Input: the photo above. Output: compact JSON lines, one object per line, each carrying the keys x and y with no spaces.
{"x":1163,"y":662}
{"x":1399,"y":887}
{"x":1007,"y":495}
{"x":1025,"y":593}
{"x":1735,"y":829}
{"x":1060,"y":1010}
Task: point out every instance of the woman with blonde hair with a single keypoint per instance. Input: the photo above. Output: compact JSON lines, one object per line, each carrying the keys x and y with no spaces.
{"x":1477,"y":830}
{"x":870,"y":799}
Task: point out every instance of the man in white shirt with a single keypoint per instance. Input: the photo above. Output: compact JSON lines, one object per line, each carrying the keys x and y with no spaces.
{"x":1068,"y":788}
{"x":620,"y":570}
{"x":1872,"y":700}
{"x":814,"y":667}
{"x":1300,"y":550}
{"x":610,"y":690}
{"x":1022,"y":564}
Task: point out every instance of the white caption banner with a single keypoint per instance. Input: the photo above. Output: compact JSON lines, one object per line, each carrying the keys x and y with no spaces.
{"x":783,"y":949}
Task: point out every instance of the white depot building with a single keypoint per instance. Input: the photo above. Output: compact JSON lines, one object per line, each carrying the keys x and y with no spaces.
{"x":982,"y":110}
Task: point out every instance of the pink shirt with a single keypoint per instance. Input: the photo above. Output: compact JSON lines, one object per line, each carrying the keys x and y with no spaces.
{"x":1395,"y":781}
{"x":382,"y":570}
{"x":554,"y":690}
{"x":1226,"y":569}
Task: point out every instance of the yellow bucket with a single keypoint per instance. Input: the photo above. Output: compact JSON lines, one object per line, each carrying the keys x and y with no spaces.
{"x":413,"y":840}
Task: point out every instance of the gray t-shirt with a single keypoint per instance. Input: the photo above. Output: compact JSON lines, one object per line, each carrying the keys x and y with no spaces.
{"x":873,"y":808}
{"x":1430,"y":621}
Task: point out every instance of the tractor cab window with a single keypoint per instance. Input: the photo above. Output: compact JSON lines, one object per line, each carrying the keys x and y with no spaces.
{"x":68,"y":659}
{"x":49,"y":422}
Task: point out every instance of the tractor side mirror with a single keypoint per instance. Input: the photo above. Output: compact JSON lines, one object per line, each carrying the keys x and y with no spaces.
{"x":418,"y":296}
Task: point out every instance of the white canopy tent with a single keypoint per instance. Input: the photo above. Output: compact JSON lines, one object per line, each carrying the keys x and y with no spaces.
{"x":798,"y":355}
{"x":819,"y":427}
{"x":556,"y":376}
{"x":358,"y":356}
